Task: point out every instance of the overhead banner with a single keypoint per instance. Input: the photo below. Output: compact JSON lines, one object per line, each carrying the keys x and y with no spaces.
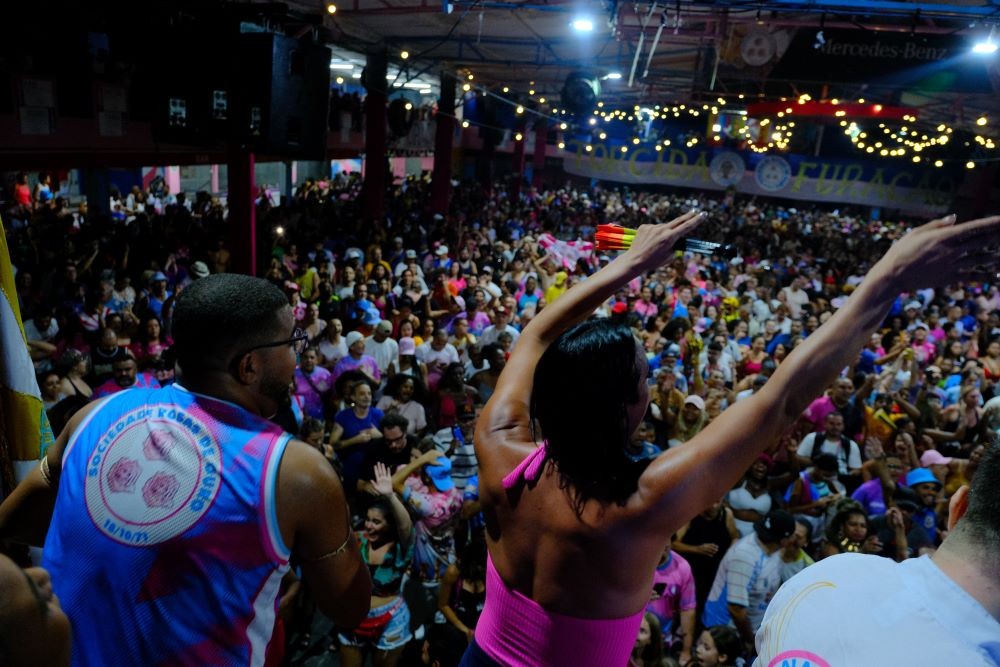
{"x":924,"y":192}
{"x":920,"y":62}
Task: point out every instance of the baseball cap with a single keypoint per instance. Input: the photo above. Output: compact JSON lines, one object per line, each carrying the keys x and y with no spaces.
{"x":440,"y":474}
{"x":921,"y":476}
{"x":384,"y":326}
{"x":672,"y":349}
{"x":696,"y":401}
{"x":157,"y":277}
{"x":916,"y":305}
{"x":774,"y":527}
{"x":619,"y":308}
{"x":933,"y":457}
{"x":199,"y":269}
{"x":407,"y":346}
{"x":411,"y":254}
{"x":353,"y":338}
{"x":441,"y":251}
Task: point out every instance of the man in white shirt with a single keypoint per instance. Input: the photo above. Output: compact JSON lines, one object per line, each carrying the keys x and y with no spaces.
{"x":832,"y":441}
{"x":944,"y":609}
{"x":501,"y":322}
{"x":410,"y":262}
{"x":796,"y":296}
{"x":492,"y":290}
{"x":381,"y":348}
{"x":749,"y":575}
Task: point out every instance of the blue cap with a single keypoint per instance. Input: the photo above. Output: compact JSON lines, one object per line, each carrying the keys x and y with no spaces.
{"x":440,"y":474}
{"x":921,"y":476}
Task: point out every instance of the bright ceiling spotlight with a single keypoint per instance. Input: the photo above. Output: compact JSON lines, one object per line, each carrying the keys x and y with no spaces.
{"x":987,"y":46}
{"x":614,"y":76}
{"x":331,"y":8}
{"x":583,"y":24}
{"x":404,"y":55}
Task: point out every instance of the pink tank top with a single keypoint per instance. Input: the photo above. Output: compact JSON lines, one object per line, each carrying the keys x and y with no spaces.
{"x":516,"y":631}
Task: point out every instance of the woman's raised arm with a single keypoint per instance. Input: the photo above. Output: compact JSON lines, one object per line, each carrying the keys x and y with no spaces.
{"x":686,"y":479}
{"x":503,"y":434}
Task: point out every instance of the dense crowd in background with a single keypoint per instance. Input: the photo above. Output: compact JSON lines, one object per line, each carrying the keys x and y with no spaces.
{"x":410,"y":319}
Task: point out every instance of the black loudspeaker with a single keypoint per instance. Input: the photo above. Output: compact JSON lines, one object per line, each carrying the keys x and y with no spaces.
{"x":282,"y":107}
{"x":580,"y":93}
{"x":268,"y":91}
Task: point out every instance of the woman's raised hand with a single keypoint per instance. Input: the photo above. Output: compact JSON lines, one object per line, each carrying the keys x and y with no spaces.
{"x":942,"y":252}
{"x":653,"y":244}
{"x":383,"y":480}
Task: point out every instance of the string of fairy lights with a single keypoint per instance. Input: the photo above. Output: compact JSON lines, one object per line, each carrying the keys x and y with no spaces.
{"x":909,"y":139}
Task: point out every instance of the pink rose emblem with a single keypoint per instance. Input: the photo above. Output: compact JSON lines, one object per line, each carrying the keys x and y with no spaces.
{"x":160,"y":489}
{"x":123,"y":475}
{"x":158,"y":445}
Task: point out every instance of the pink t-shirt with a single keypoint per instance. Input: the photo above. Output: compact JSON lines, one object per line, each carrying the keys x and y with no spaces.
{"x":677,"y":585}
{"x":818,"y":410}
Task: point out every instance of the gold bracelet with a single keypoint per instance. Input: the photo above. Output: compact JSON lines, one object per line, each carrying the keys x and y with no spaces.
{"x":339,"y":550}
{"x":43,"y":468}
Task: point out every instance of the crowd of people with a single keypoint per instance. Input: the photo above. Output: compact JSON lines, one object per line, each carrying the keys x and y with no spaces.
{"x":405,"y":325}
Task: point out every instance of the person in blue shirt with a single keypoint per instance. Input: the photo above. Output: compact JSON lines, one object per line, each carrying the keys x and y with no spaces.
{"x":927,"y":487}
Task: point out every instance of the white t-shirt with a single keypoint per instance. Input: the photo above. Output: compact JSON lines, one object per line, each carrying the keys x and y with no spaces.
{"x":855,"y":609}
{"x":383,"y":353}
{"x":796,"y":298}
{"x":446,"y":355}
{"x":491,"y":333}
{"x":845,"y":461}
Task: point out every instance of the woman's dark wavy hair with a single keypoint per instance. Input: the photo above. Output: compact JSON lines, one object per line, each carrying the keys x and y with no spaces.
{"x":395,"y":383}
{"x":583,"y":386}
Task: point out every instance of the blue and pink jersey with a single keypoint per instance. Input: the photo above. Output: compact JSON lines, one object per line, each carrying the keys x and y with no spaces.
{"x":164,"y":546}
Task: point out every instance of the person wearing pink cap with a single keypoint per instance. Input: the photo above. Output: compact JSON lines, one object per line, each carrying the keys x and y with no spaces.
{"x":690,"y":420}
{"x":953,"y":473}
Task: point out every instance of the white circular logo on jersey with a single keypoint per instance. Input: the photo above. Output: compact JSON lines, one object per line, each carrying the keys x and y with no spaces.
{"x":772,"y":173}
{"x":153,"y":475}
{"x":727,"y":169}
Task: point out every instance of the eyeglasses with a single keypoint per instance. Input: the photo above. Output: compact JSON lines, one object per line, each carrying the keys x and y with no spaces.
{"x":298,"y":341}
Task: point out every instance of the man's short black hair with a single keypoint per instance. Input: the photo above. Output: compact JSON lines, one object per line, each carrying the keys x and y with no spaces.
{"x":221,"y":315}
{"x":982,"y":520}
{"x":394,"y":420}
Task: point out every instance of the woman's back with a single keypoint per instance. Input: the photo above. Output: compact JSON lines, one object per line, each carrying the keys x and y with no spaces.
{"x":591,"y":565}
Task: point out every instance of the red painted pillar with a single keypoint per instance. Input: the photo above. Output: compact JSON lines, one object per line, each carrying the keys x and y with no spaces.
{"x":373,"y":190}
{"x":443,"y":135}
{"x":242,"y":210}
{"x":538,"y":164}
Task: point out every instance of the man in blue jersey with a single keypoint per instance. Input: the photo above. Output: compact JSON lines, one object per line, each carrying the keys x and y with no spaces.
{"x":171,"y":514}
